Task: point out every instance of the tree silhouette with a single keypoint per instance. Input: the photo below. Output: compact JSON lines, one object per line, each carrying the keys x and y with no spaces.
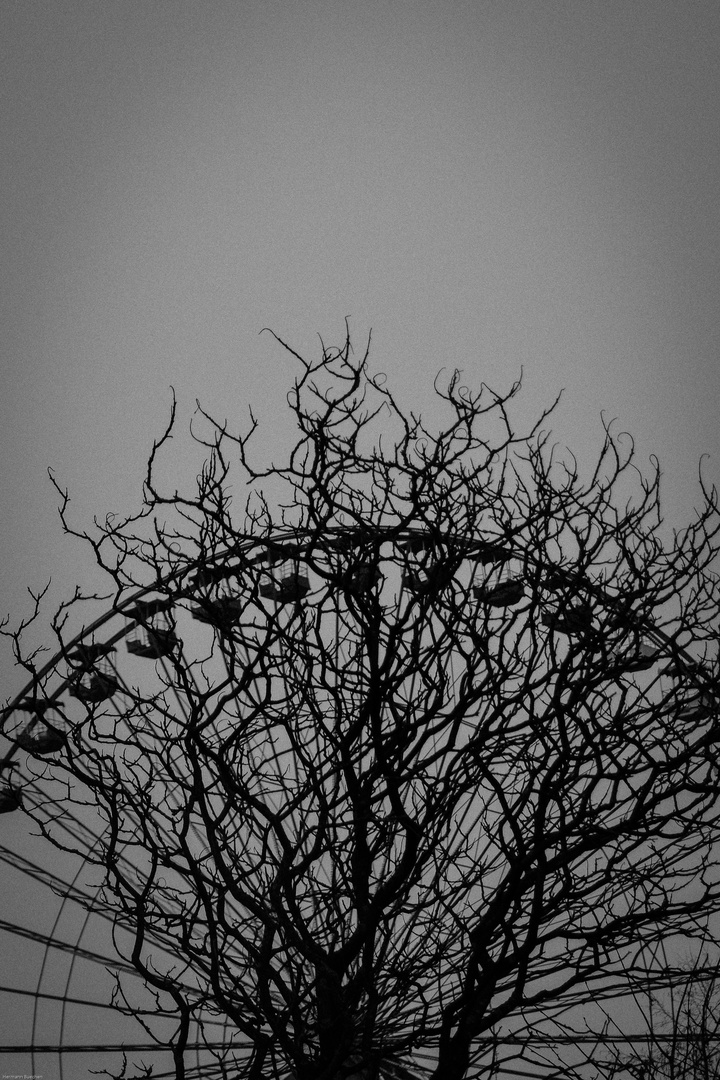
{"x":407,"y":759}
{"x":681,"y":1022}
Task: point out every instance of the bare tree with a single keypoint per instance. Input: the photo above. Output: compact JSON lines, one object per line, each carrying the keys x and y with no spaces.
{"x":423,"y":758}
{"x":678,"y":1024}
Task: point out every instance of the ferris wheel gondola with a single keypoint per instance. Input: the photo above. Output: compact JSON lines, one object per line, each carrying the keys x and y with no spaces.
{"x":230,"y":609}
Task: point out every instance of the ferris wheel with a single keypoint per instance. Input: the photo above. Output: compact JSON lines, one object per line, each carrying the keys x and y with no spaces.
{"x":225,"y":643}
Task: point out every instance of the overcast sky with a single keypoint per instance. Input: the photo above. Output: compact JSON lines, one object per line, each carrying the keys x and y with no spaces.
{"x":484,"y":183}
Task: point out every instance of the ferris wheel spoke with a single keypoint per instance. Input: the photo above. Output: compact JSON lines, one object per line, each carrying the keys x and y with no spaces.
{"x":92,"y":1048}
{"x":280,"y":682}
{"x":42,"y":875}
{"x":92,"y":1003}
{"x":69,"y":891}
{"x":68,"y":947}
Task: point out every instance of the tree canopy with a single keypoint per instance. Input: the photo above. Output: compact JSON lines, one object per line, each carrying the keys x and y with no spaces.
{"x":411,"y":753}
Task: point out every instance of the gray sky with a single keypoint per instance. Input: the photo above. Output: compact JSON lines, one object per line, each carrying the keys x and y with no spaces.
{"x":486,"y":184}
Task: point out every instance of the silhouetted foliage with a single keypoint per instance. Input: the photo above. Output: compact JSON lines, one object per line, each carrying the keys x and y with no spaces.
{"x":411,"y":756}
{"x":681,"y":1020}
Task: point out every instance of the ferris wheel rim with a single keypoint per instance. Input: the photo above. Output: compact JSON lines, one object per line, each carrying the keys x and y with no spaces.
{"x":122,"y":608}
{"x":493,"y":547}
